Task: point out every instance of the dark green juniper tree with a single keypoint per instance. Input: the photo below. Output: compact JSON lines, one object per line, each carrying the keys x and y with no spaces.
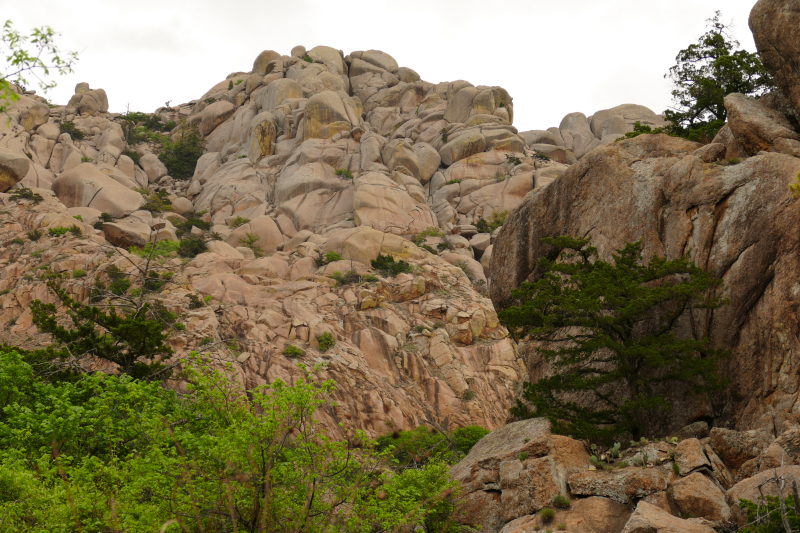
{"x":607,"y":329}
{"x":705,"y":73}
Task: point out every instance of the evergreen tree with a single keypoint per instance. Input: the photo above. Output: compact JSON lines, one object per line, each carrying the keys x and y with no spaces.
{"x":705,"y":73}
{"x":607,"y":330}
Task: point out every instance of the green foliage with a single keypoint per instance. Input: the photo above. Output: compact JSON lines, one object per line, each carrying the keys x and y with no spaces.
{"x":238,"y":82}
{"x":348,"y":278}
{"x":307,"y":59}
{"x":85,"y":159}
{"x":105,"y":217}
{"x":35,"y":54}
{"x":443,"y":133}
{"x":388,"y":267}
{"x":639,"y":129}
{"x":513,"y":159}
{"x":705,"y":73}
{"x":180,"y":157}
{"x":326,"y":341}
{"x":155,"y":201}
{"x":106,"y":451}
{"x":541,"y":156}
{"x":547,"y":515}
{"x":76,"y":230}
{"x":795,"y":187}
{"x":72,"y":130}
{"x":230,"y":85}
{"x":453,"y":182}
{"x":497,"y":219}
{"x":17,"y":241}
{"x":249,"y":241}
{"x":194,"y":301}
{"x":239,"y":221}
{"x":78,"y":217}
{"x":161,"y":249}
{"x":78,"y":273}
{"x":369,"y":278}
{"x":343,"y":172}
{"x":191,"y":246}
{"x":609,"y":327}
{"x":133,"y":155}
{"x":293,"y":351}
{"x":185,"y":225}
{"x":468,"y":395}
{"x":765,"y":517}
{"x":561,"y":502}
{"x":132,"y":339}
{"x":330,"y":257}
{"x":58,"y":231}
{"x":676,"y":469}
{"x":23,"y":193}
{"x":420,"y":445}
{"x":561,"y":527}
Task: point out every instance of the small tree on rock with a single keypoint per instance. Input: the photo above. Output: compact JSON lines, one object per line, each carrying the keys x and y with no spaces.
{"x":607,"y":330}
{"x":705,"y":73}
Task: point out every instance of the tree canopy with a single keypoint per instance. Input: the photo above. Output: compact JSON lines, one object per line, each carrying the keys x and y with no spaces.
{"x":704,"y":74}
{"x":30,"y":55}
{"x":608,"y":331}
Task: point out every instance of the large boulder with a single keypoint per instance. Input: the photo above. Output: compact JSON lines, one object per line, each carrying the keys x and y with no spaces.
{"x":264,"y":228}
{"x":758,"y":128}
{"x":698,"y":496}
{"x":754,"y":487}
{"x":264,"y":59}
{"x":625,"y":485}
{"x":775,"y":24}
{"x":34,"y":116}
{"x":329,"y":113}
{"x":212,"y":116}
{"x":736,"y":221}
{"x":462,"y":147}
{"x":261,"y":136}
{"x":737,"y":447}
{"x":153,"y":167}
{"x":278,"y":91}
{"x":648,"y":518}
{"x":87,"y":186}
{"x":13,"y":168}
{"x":87,"y":102}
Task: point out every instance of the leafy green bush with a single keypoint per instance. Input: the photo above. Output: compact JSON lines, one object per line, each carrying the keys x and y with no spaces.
{"x":420,"y":237}
{"x":180,"y":157}
{"x":561,"y":502}
{"x":443,"y":134}
{"x":343,"y":172}
{"x":293,"y":351}
{"x":239,"y":221}
{"x":17,"y":241}
{"x":497,"y":219}
{"x":541,"y":156}
{"x":766,"y":517}
{"x":640,"y":129}
{"x":163,"y":460}
{"x":185,"y":225}
{"x":155,"y":201}
{"x":58,"y":231}
{"x":348,"y":278}
{"x":326,"y":341}
{"x":162,"y":249}
{"x":35,"y":235}
{"x":307,"y":59}
{"x":72,"y":130}
{"x":249,"y":241}
{"x":388,"y":267}
{"x":417,"y":446}
{"x":547,"y":515}
{"x":105,"y":217}
{"x":330,"y":257}
{"x":467,"y":437}
{"x":453,"y":182}
{"x":23,"y":193}
{"x":78,"y":273}
{"x":85,"y":159}
{"x":194,"y":301}
{"x":513,"y":159}
{"x":191,"y":246}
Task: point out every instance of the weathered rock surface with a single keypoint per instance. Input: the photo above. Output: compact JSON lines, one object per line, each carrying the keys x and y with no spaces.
{"x":648,"y":518}
{"x":733,"y":220}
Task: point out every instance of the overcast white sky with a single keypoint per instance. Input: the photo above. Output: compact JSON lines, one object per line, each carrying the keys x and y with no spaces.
{"x":553,"y":56}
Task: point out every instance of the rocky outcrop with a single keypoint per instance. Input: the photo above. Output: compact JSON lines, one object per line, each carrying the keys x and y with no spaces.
{"x":774,"y":25}
{"x":732,"y":220}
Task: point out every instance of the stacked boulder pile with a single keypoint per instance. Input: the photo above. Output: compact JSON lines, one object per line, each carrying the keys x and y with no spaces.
{"x":513,"y":476}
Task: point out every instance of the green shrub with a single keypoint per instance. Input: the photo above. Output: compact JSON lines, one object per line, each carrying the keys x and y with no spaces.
{"x":388,"y":267}
{"x":78,"y":217}
{"x":185,"y":225}
{"x":622,"y":464}
{"x":238,"y":82}
{"x":468,"y":395}
{"x":180,"y":157}
{"x":4,"y":292}
{"x":249,"y":241}
{"x":330,"y":257}
{"x":561,"y":527}
{"x":162,"y":249}
{"x":676,"y":469}
{"x":230,"y":85}
{"x":191,"y":246}
{"x":155,"y":201}
{"x":75,"y":230}
{"x":293,"y":351}
{"x":343,"y":172}
{"x":307,"y":59}
{"x":453,"y":182}
{"x":420,"y":237}
{"x":348,"y":278}
{"x":326,"y":341}
{"x":497,"y":219}
{"x":206,"y":341}
{"x":179,"y":326}
{"x":369,"y":278}
{"x":58,"y":231}
{"x":547,"y":514}
{"x":35,"y":235}
{"x":78,"y":273}
{"x":85,"y":159}
{"x":467,"y":437}
{"x":561,"y":502}
{"x":541,"y":156}
{"x":239,"y":221}
{"x":17,"y":241}
{"x":194,"y":301}
{"x":72,"y":130}
{"x":443,"y":133}
{"x":642,"y":129}
{"x":105,"y":217}
{"x":24,"y":193}
{"x":98,"y":225}
{"x":513,"y":159}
